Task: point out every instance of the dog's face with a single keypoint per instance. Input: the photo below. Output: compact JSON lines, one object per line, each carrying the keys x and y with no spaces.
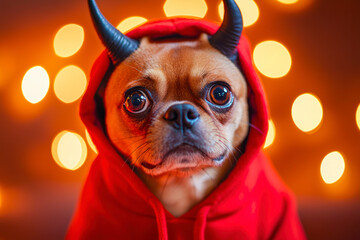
{"x":176,"y":107}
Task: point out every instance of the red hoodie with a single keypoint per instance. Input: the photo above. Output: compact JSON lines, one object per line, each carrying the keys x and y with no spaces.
{"x":251,"y":203}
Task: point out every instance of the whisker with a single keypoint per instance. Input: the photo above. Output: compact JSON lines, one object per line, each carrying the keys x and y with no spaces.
{"x":235,"y":148}
{"x":138,"y":158}
{"x":142,"y":145}
{"x":208,"y":174}
{"x":138,"y":140}
{"x":130,"y":66}
{"x":228,"y":146}
{"x":166,"y":181}
{"x":234,"y":158}
{"x":256,"y":128}
{"x":129,"y":137}
{"x":142,"y":136}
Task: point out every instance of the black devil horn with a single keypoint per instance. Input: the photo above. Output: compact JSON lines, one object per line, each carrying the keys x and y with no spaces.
{"x":118,"y":45}
{"x":227,"y":37}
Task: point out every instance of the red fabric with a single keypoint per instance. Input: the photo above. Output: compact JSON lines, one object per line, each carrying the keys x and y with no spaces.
{"x":252,"y":203}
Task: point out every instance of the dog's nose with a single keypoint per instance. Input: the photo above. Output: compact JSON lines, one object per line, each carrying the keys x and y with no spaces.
{"x":182,"y":116}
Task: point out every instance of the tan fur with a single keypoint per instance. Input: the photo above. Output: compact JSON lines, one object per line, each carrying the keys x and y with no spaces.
{"x":177,"y":72}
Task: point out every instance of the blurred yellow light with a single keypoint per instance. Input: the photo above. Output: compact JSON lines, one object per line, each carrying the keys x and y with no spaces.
{"x":130,"y":23}
{"x":288,"y":1}
{"x":358,"y":116}
{"x":90,"y":142}
{"x":307,"y":112}
{"x":69,"y":150}
{"x":68,"y":40}
{"x":35,"y":84}
{"x":272,"y":59}
{"x":270,"y":137}
{"x":332,"y":167}
{"x":249,"y":10}
{"x":192,"y":8}
{"x":70,"y":84}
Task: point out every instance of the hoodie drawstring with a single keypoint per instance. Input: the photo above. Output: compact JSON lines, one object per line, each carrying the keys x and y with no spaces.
{"x":160,"y":219}
{"x":199,"y":226}
{"x":200,"y":223}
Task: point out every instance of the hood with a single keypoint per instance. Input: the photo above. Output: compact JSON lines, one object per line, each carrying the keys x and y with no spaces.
{"x":114,"y":199}
{"x":90,"y":111}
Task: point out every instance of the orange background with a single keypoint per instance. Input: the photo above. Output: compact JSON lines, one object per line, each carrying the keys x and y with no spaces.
{"x":37,"y":197}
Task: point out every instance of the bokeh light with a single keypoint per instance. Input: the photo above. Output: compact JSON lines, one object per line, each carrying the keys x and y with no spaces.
{"x":69,"y":150}
{"x":249,"y":10}
{"x":307,"y":112}
{"x":332,"y":167}
{"x":288,"y":1}
{"x":270,"y":137}
{"x":130,"y":23}
{"x":90,"y":142}
{"x":358,"y":116}
{"x":68,"y":40}
{"x":192,"y":8}
{"x":272,"y":59}
{"x":70,"y":84}
{"x":35,"y":84}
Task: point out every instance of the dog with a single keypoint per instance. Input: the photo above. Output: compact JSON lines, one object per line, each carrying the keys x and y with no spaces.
{"x":185,"y":106}
{"x":176,"y":109}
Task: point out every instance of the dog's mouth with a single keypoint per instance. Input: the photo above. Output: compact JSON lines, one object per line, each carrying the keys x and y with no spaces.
{"x":149,"y":165}
{"x":184,"y":149}
{"x":184,"y":154}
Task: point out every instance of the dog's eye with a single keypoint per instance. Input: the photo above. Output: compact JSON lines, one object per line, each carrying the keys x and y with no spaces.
{"x":136,"y":102}
{"x":220,"y":94}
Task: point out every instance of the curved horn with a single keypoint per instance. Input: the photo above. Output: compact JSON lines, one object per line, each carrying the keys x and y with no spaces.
{"x":118,"y":45}
{"x":227,"y":37}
